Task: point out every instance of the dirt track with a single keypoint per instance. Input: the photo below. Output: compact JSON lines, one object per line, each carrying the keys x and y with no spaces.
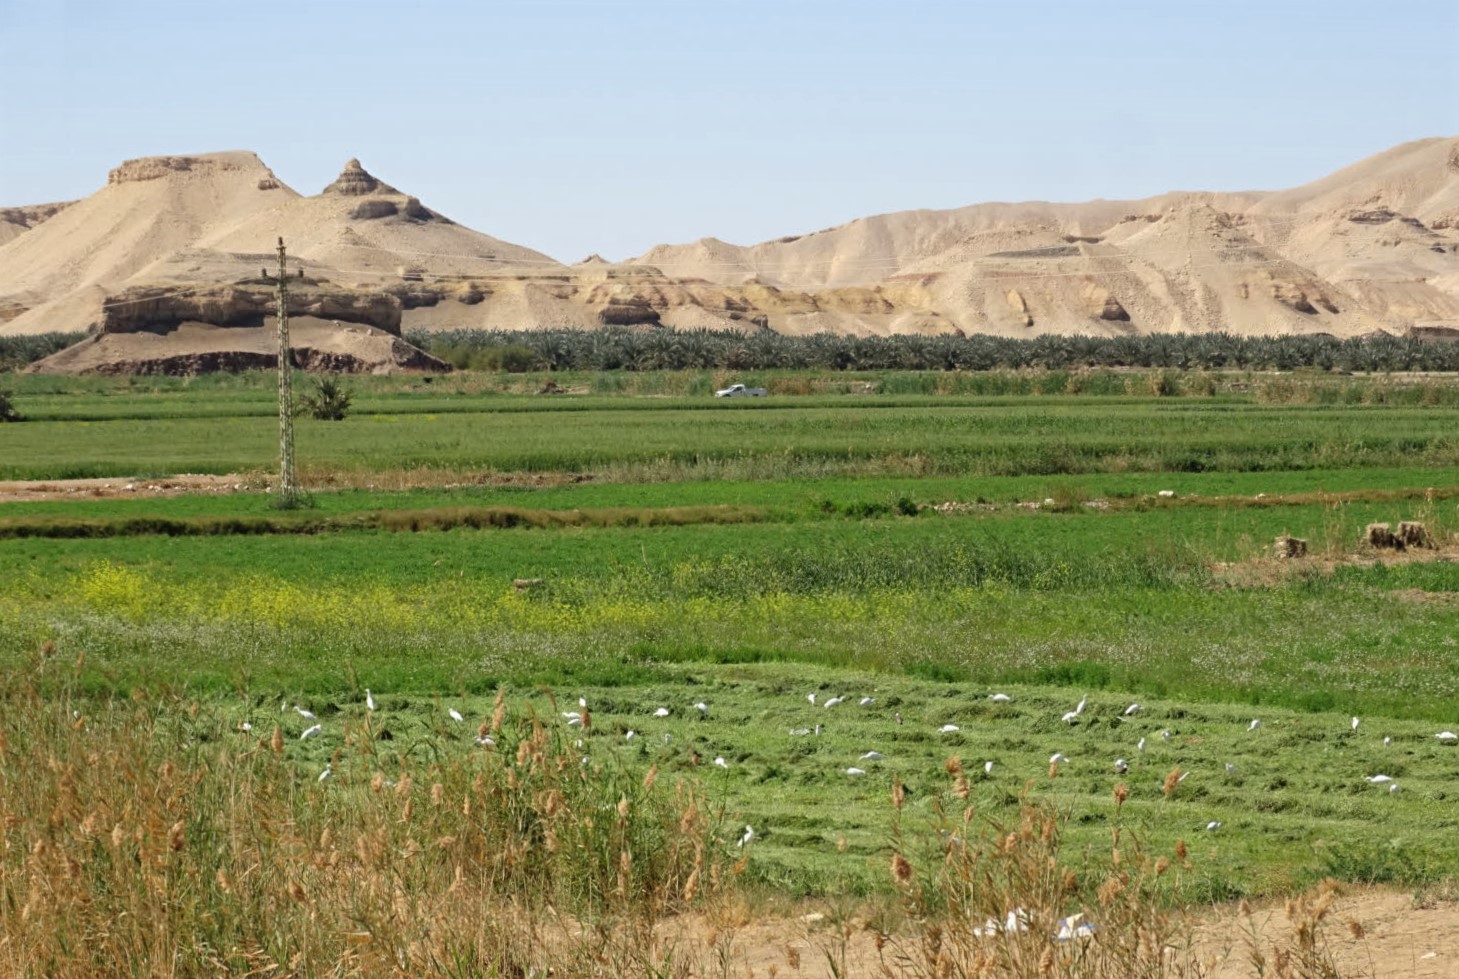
{"x":34,"y":490}
{"x":1400,"y":940}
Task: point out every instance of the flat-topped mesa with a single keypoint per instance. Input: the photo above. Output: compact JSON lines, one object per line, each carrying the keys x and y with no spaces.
{"x":355,"y":181}
{"x":157,"y":167}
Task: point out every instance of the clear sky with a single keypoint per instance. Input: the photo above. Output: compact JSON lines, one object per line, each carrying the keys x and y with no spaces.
{"x":611,"y":125}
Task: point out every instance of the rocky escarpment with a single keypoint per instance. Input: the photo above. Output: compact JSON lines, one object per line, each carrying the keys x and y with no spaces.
{"x":31,"y":215}
{"x":305,"y":358}
{"x":139,"y":310}
{"x":156,"y":167}
{"x":196,"y":349}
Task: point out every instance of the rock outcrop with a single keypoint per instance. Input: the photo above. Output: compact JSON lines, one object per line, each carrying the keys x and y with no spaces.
{"x":355,"y":181}
{"x":33,"y":214}
{"x":157,"y":167}
{"x":1101,"y":304}
{"x":154,"y":310}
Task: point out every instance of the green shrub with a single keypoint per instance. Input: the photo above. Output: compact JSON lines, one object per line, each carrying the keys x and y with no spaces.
{"x":330,"y":401}
{"x":7,"y":409}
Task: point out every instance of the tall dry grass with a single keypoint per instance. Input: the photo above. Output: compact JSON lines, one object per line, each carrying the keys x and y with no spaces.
{"x":140,"y":839}
{"x":1003,"y":899}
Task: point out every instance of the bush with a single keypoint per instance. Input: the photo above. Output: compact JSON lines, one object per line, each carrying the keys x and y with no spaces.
{"x":330,"y":400}
{"x":7,"y":409}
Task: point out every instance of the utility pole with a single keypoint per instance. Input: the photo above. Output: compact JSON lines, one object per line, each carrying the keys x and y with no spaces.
{"x":288,"y":497}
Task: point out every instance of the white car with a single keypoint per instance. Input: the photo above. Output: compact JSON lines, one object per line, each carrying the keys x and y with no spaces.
{"x":740,"y":391}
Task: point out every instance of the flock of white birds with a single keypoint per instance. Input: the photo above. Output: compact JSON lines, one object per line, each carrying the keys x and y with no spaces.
{"x":1120,"y":766}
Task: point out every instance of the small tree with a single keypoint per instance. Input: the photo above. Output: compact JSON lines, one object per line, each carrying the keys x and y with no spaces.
{"x":7,"y":409}
{"x":330,"y":400}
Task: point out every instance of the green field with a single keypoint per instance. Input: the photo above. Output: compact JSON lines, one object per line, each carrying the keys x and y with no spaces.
{"x":745,"y":555}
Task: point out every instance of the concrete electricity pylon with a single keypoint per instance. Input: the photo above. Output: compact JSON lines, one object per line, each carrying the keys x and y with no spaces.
{"x":288,"y":497}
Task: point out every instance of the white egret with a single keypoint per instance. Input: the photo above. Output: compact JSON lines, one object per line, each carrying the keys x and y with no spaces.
{"x":1070,"y":717}
{"x":1377,"y":779}
{"x":834,"y":701}
{"x":947,"y":729}
{"x":1133,"y":709}
{"x":1121,"y":766}
{"x":855,"y":771}
{"x":369,"y":700}
{"x":720,"y":762}
{"x":575,"y":721}
{"x":1164,"y":735}
{"x":307,"y":715}
{"x":1073,"y":927}
{"x":630,"y":736}
{"x":311,"y":732}
{"x":800,"y":732}
{"x":1255,"y":723}
{"x":1213,"y":825}
{"x":749,"y":835}
{"x":455,"y":715}
{"x":811,"y":697}
{"x":987,"y":768}
{"x":1387,"y":740}
{"x":871,"y":756}
{"x":1083,"y":702}
{"x":1356,"y":722}
{"x":328,"y":771}
{"x":1393,"y":789}
{"x":1058,"y":757}
{"x":867,"y":701}
{"x":999,"y":698}
{"x":485,"y":740}
{"x":583,"y":702}
{"x":245,"y":726}
{"x":1448,"y":737}
{"x":1183,"y":777}
{"x":702,"y":707}
{"x":662,"y":712}
{"x":1140,"y":746}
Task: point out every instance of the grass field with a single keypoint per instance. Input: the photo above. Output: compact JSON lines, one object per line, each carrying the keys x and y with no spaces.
{"x":744,"y":556}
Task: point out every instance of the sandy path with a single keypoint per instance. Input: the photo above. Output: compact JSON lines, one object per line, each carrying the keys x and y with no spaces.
{"x":33,"y":490}
{"x":1400,"y":940}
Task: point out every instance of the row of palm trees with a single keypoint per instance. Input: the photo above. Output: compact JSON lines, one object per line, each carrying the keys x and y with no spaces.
{"x":18,"y":351}
{"x":611,"y":349}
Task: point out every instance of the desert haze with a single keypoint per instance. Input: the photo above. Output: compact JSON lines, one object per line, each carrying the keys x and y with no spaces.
{"x":173,"y":249}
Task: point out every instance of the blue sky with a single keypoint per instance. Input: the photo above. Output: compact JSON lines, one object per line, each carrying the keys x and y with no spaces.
{"x":610,"y":126}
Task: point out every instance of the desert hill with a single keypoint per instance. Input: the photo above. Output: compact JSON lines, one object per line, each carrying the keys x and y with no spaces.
{"x":1373,"y":246}
{"x":189,"y":241}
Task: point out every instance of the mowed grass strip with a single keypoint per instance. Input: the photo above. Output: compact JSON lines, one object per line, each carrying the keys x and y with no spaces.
{"x":1295,"y":804}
